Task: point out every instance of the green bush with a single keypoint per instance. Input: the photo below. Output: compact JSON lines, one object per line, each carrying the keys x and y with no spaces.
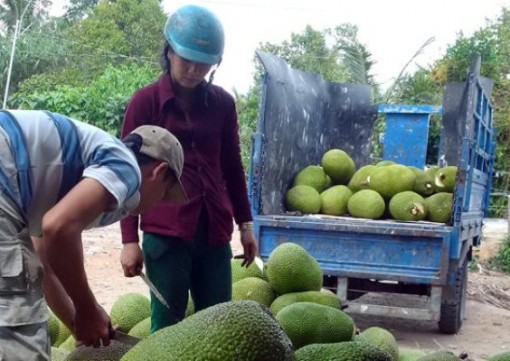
{"x":100,"y":102}
{"x":501,"y":260}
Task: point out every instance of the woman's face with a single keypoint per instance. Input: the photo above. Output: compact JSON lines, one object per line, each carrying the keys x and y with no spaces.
{"x":187,"y":74}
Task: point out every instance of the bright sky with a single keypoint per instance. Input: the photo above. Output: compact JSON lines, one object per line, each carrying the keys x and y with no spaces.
{"x":392,"y":30}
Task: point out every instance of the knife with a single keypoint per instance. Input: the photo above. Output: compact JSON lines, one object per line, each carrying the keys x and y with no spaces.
{"x":154,"y":290}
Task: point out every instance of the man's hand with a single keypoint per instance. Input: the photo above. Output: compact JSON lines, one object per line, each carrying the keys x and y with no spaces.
{"x":92,"y":326}
{"x":249,"y":247}
{"x":131,"y":259}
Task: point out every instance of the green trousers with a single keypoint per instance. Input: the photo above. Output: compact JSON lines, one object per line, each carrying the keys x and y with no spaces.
{"x":179,"y":268}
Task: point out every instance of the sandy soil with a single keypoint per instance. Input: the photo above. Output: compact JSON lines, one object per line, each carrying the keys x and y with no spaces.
{"x":486,"y":330}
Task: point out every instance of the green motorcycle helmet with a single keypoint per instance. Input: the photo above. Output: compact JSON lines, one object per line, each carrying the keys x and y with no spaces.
{"x":195,"y":34}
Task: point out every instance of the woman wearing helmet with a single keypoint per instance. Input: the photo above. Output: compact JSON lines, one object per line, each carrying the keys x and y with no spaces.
{"x":186,"y":248}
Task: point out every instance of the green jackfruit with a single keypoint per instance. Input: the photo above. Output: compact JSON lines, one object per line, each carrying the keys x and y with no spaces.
{"x":307,"y":323}
{"x":69,"y":344}
{"x":432,"y":170}
{"x":328,"y":183}
{"x":410,"y":354}
{"x":359,"y":180}
{"x":342,"y":351}
{"x":323,"y":297}
{"x":291,"y":269}
{"x":239,"y":271}
{"x":366,"y":203}
{"x":334,"y":200}
{"x":53,"y":328}
{"x":254,"y":289}
{"x":114,"y":352}
{"x":439,"y":207}
{"x":142,"y":329}
{"x":442,"y":355}
{"x":392,"y":179}
{"x":408,"y":206}
{"x":62,"y":332}
{"x":384,"y":163}
{"x":503,"y":356}
{"x":381,"y":338}
{"x":445,"y":179}
{"x":237,"y":330}
{"x":313,"y":176}
{"x":304,"y":199}
{"x":338,"y":165}
{"x":58,"y":354}
{"x":424,"y":184}
{"x":128,"y":310}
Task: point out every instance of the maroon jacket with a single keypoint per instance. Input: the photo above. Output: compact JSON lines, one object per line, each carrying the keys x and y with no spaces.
{"x":213,"y":175}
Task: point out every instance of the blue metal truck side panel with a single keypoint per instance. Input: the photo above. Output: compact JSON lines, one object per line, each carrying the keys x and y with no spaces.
{"x":346,"y":247}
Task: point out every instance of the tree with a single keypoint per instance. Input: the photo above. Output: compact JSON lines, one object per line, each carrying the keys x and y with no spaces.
{"x":336,"y":54}
{"x":118,"y":31}
{"x":26,"y":11}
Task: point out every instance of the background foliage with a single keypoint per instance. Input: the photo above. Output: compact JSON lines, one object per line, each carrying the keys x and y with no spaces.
{"x":88,"y":62}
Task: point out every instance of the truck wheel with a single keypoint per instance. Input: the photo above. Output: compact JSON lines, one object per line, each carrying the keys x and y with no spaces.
{"x":453,"y":303}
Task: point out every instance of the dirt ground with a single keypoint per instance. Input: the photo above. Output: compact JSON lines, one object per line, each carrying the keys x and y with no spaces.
{"x":486,"y":329}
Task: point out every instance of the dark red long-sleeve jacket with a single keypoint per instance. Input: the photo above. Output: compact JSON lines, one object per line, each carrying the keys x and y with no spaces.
{"x":213,"y":175}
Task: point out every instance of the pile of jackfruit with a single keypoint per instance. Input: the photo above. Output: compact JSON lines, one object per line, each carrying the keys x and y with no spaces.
{"x":279,"y":311}
{"x":384,"y":190}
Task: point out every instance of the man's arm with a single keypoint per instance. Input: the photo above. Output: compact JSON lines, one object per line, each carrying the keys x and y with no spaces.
{"x":54,"y":292}
{"x":62,"y":227}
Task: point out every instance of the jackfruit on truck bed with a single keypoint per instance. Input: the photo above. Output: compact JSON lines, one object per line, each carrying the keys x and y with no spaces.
{"x":306,"y":323}
{"x":392,"y":179}
{"x":445,"y":179}
{"x":342,"y":351}
{"x":366,"y":203}
{"x":408,"y":206}
{"x":424,"y":184}
{"x":338,"y":165}
{"x":334,"y":200}
{"x":237,"y":330}
{"x":313,"y":176}
{"x":359,"y":180}
{"x":439,"y":207}
{"x":304,"y":199}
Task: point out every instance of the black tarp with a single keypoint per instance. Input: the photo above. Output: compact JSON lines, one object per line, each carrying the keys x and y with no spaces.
{"x":302,"y":117}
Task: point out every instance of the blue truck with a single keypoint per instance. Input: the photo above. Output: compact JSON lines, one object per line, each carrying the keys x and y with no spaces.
{"x":371,"y":264}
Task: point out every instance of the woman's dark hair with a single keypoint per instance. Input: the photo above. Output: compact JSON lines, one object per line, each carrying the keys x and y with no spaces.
{"x":163,"y":58}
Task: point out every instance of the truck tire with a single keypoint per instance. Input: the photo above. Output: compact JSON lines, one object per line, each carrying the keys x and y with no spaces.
{"x":453,"y":302}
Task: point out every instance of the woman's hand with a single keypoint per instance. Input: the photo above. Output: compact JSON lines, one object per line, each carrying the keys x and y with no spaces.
{"x":250,"y":248}
{"x":131,"y":259}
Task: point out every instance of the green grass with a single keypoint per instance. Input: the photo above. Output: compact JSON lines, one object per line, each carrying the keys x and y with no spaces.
{"x":501,"y":261}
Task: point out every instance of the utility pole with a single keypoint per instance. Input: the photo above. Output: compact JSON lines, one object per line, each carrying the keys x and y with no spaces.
{"x":17,"y":29}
